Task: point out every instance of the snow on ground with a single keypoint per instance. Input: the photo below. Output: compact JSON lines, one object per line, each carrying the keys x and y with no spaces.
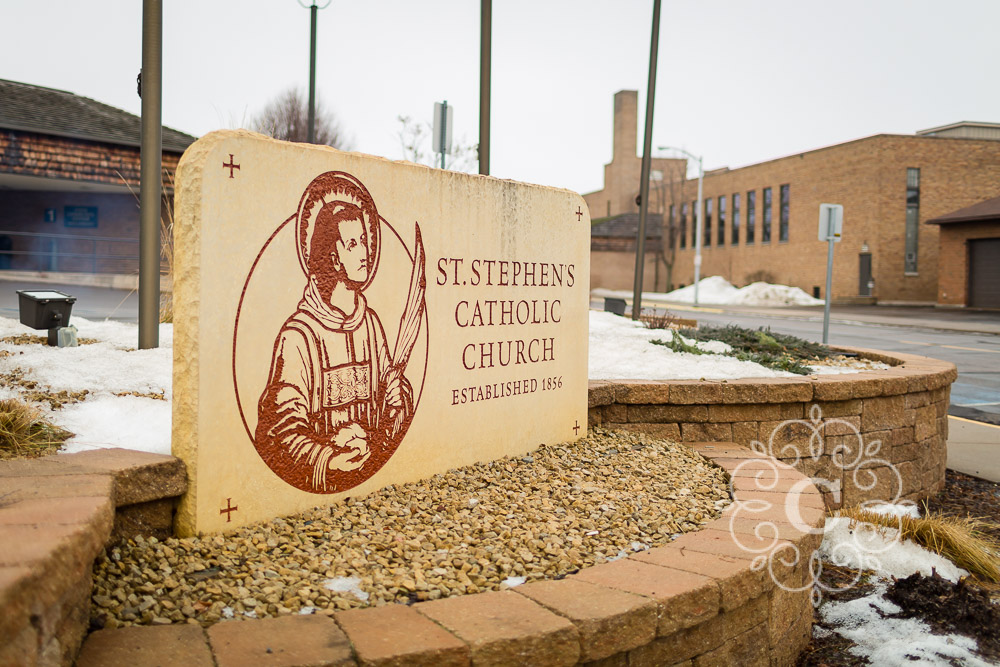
{"x":894,"y":641}
{"x":350,"y":585}
{"x":108,"y":367}
{"x":867,"y":620}
{"x":865,"y":547}
{"x":621,"y":349}
{"x":716,"y":290}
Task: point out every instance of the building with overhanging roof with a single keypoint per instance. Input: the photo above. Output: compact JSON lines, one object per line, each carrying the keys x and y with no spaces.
{"x":970,"y":255}
{"x":69,"y":182}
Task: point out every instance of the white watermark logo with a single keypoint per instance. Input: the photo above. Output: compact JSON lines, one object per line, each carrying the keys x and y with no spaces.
{"x":832,"y":453}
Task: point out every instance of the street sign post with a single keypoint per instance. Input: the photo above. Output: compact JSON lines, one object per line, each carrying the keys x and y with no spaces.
{"x":831,"y":223}
{"x":441,"y":139}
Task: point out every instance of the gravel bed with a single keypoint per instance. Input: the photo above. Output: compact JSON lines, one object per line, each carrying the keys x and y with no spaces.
{"x":483,"y":527}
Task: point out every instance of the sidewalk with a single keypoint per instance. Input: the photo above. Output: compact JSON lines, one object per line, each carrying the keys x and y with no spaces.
{"x":974,"y":448}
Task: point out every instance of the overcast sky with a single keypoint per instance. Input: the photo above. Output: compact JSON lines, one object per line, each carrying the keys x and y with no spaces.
{"x":739,"y":81}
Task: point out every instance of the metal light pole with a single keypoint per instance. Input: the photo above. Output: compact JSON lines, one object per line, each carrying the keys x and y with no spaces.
{"x":640,"y":245}
{"x":311,"y":130}
{"x":150,"y":164}
{"x":700,"y":213}
{"x":485,"y":31}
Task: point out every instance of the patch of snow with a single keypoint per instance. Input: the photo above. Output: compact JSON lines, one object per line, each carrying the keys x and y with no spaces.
{"x":713,"y":289}
{"x":305,"y":611}
{"x":128,"y":422}
{"x":894,"y":641}
{"x":904,"y":508}
{"x":350,"y":585}
{"x":766,"y":294}
{"x":864,"y":547}
{"x":621,"y":349}
{"x":227,"y":612}
{"x":716,"y":290}
{"x":511,"y":582}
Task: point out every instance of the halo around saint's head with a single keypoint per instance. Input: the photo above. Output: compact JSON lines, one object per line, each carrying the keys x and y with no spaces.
{"x":331,"y":188}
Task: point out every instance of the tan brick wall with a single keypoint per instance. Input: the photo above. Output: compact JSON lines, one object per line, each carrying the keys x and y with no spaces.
{"x":953,"y":275}
{"x":902,"y":410}
{"x":868,"y":177}
{"x":622,"y":174}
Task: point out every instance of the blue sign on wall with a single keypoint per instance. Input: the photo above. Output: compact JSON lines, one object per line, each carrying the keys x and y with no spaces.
{"x":80,"y":216}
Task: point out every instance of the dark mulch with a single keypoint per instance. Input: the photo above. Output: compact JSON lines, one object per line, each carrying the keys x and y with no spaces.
{"x":947,"y":607}
{"x":961,"y":608}
{"x":838,"y":585}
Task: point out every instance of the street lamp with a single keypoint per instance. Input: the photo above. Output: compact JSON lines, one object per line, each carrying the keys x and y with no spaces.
{"x":311,"y":136}
{"x":700,"y":213}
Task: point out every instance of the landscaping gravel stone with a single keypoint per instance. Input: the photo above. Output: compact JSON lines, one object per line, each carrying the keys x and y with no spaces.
{"x":484,"y":527}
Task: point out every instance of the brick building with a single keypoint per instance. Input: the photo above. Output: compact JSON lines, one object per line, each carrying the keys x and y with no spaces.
{"x":621,"y":175}
{"x":970,"y":256}
{"x":761,"y":221}
{"x":69,"y":182}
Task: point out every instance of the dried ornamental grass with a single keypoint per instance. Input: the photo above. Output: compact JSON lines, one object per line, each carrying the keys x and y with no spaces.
{"x":24,"y":433}
{"x":960,"y":540}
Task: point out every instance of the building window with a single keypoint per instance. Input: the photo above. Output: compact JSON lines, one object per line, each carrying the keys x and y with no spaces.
{"x":694,"y":224}
{"x":734,"y":235}
{"x":912,"y":219}
{"x":722,"y":220}
{"x":684,"y":225}
{"x":751,"y":215}
{"x":708,"y":222}
{"x":783,"y":215}
{"x":765,"y":227}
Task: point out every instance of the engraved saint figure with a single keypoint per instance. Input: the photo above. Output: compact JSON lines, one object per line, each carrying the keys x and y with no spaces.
{"x":336,"y":399}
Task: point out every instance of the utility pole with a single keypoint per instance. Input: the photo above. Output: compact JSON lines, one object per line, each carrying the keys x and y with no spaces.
{"x":485,"y":31}
{"x":311,"y":130}
{"x":150,"y":165}
{"x":640,"y":245}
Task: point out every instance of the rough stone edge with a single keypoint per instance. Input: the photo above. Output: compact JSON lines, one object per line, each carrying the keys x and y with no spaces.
{"x":908,"y":373}
{"x":44,"y":583}
{"x":187,"y":314}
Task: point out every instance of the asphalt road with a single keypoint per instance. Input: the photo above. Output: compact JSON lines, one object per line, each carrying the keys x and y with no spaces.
{"x":92,"y":303}
{"x":976,"y":393}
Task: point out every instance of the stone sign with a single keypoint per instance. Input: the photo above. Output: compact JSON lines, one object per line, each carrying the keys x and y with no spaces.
{"x":345,"y":322}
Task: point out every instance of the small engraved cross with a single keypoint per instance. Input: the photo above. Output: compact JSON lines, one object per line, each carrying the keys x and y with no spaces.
{"x":579,"y":213}
{"x":230,"y":166}
{"x":576,"y":427}
{"x":229,"y":509}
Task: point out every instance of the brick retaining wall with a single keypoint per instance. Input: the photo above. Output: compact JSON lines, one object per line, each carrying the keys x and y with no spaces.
{"x":56,"y":515}
{"x":696,"y":598}
{"x":814,"y":423}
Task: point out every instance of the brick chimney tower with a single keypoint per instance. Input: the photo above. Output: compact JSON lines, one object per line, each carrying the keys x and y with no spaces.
{"x":626,"y":119}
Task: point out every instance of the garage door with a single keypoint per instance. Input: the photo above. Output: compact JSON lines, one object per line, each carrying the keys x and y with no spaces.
{"x":984,"y":273}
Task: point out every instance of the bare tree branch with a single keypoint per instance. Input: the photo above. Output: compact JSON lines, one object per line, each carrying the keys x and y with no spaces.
{"x":414,"y":139}
{"x":286,"y":117}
